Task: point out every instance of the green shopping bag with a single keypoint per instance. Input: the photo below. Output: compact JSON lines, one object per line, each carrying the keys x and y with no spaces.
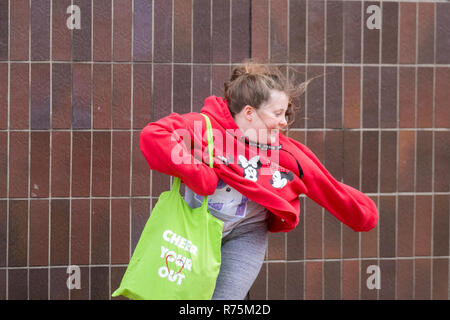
{"x":178,"y":254}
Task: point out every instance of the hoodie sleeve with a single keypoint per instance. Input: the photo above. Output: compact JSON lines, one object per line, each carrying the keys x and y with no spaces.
{"x":347,"y":204}
{"x":162,"y":144}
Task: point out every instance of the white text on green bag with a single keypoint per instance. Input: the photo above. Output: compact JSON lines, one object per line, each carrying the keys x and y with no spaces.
{"x":179,"y":241}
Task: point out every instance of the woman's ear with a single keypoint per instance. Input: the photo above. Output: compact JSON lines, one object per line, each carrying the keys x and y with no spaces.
{"x":248,"y":113}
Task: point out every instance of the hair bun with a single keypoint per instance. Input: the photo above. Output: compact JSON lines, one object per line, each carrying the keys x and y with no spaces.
{"x":239,"y":72}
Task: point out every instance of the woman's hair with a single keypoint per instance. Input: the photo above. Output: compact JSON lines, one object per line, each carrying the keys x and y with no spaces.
{"x":251,"y":83}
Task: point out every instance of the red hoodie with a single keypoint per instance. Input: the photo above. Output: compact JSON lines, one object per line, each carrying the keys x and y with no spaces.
{"x":177,"y":145}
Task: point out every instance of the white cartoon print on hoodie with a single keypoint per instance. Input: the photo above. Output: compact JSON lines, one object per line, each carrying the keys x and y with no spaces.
{"x":226,"y":200}
{"x":250,"y":167}
{"x":280,"y":179}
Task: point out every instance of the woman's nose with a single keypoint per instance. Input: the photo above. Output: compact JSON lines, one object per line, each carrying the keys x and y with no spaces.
{"x":283,"y":123}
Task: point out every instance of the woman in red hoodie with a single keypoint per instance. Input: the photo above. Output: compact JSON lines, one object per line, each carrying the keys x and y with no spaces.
{"x":258,"y":173}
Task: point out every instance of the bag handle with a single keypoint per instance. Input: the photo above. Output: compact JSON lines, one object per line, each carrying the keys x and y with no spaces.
{"x":209,"y":134}
{"x":210,"y":139}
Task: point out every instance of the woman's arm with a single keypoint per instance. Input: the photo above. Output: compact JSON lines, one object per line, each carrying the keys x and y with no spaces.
{"x":162,"y":145}
{"x":347,"y":204}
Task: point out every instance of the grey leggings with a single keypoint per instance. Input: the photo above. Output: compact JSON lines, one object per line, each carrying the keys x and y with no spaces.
{"x":243,"y":252}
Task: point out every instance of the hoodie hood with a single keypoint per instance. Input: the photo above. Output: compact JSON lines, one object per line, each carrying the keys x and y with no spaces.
{"x":217,"y":109}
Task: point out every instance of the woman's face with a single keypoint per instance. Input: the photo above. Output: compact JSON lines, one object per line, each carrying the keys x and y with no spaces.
{"x":267,"y":121}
